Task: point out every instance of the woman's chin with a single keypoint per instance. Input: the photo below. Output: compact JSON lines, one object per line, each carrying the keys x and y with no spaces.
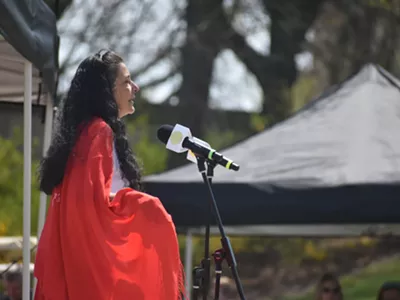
{"x":127,"y":112}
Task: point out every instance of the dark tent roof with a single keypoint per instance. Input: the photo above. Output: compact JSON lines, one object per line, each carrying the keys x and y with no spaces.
{"x":29,"y":26}
{"x":337,"y":161}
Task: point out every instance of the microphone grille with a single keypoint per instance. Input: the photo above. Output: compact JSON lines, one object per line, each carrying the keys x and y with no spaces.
{"x":164,"y":132}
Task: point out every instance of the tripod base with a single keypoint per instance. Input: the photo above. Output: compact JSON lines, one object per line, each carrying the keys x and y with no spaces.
{"x":201,"y":280}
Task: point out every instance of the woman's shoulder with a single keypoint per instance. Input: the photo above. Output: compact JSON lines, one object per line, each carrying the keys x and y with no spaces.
{"x":97,"y":126}
{"x":96,"y":135}
{"x":96,"y":129}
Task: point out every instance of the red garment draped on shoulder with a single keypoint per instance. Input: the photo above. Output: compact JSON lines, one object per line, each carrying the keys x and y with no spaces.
{"x":94,"y":249}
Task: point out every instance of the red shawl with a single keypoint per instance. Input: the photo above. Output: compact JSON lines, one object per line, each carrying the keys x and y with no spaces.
{"x":94,"y":249}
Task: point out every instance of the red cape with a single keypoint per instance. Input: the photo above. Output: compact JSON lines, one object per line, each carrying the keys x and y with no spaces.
{"x":94,"y":249}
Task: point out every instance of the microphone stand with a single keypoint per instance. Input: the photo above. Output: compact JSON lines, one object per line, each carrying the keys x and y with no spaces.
{"x":201,"y":274}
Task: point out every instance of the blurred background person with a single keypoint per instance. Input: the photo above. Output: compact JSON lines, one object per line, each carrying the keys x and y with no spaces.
{"x":389,"y":291}
{"x":329,"y":288}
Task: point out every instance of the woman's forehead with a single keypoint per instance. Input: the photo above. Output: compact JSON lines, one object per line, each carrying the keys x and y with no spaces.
{"x":123,"y":70}
{"x":329,"y":282}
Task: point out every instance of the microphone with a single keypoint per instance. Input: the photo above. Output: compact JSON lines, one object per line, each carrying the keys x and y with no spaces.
{"x":179,"y":139}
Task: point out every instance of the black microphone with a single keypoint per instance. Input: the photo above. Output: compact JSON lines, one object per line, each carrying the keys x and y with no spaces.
{"x":165,"y":131}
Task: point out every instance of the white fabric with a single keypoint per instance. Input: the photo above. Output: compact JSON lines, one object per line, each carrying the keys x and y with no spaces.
{"x":117,"y":181}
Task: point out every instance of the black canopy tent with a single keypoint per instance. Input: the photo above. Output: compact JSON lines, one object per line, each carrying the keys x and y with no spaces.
{"x":28,"y":54}
{"x":337,"y":161}
{"x":29,"y":27}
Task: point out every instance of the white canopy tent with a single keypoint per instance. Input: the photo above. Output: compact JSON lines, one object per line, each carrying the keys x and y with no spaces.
{"x":28,"y":67}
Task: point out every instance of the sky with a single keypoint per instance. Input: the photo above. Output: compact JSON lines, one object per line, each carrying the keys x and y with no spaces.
{"x":232,"y":88}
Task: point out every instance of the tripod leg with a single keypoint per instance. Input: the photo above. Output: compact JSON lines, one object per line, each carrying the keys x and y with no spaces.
{"x":197,"y":278}
{"x":217,"y":285}
{"x":205,"y":284}
{"x":218,"y":258}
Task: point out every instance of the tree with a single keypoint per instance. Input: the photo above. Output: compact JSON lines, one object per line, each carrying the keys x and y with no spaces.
{"x":349,"y":34}
{"x":277,"y":71}
{"x":197,"y":58}
{"x":182,"y":47}
{"x":140,"y":31}
{"x":58,"y":6}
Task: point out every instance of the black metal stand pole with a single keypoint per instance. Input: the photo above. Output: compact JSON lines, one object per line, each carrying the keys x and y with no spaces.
{"x":228,"y":253}
{"x":201,"y":275}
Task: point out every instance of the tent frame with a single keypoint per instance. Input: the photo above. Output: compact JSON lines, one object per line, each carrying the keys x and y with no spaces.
{"x":26,"y":252}
{"x":27,"y":173}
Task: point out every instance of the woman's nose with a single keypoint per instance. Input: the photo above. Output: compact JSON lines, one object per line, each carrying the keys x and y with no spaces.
{"x":135,"y":87}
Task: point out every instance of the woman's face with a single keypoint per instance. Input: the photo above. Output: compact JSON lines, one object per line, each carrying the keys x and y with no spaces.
{"x":391,"y":294}
{"x":330,"y":291}
{"x":124,"y":91}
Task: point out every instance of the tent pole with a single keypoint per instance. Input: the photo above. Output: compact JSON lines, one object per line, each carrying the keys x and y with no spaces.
{"x":188,"y":262}
{"x":48,"y":123}
{"x":27,"y":180}
{"x":46,"y":143}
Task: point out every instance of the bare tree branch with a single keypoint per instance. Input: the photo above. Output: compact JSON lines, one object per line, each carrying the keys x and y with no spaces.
{"x":173,"y":93}
{"x":159,"y":80}
{"x":107,"y":25}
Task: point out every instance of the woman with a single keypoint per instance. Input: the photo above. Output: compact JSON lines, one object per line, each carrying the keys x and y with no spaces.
{"x":389,"y":290}
{"x":103,"y":238}
{"x":329,"y":288}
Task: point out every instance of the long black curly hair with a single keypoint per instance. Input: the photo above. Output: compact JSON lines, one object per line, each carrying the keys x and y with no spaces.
{"x":90,"y":95}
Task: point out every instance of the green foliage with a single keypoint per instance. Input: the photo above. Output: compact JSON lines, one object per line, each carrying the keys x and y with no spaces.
{"x":391,"y":6}
{"x":239,"y":245}
{"x":11,"y":187}
{"x":292,"y":251}
{"x":303,"y":91}
{"x":258,"y":122}
{"x":220,"y":140}
{"x":153,"y":155}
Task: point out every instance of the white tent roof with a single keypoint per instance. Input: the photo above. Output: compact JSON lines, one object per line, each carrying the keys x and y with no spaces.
{"x":12,"y":76}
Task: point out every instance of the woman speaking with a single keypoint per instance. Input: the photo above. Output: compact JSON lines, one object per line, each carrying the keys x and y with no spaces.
{"x":103,"y":238}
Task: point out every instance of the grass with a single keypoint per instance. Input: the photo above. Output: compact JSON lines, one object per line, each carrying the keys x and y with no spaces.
{"x":364,"y":285}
